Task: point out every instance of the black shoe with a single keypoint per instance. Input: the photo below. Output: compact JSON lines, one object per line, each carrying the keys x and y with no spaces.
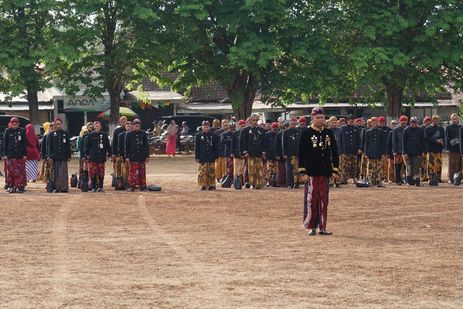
{"x":203,"y":188}
{"x":20,"y":190}
{"x":101,"y":190}
{"x":247,"y":185}
{"x":313,"y":232}
{"x":144,"y":189}
{"x":11,"y":190}
{"x":211,"y":188}
{"x":94,"y":190}
{"x":325,"y":233}
{"x":131,"y":190}
{"x":290,"y":187}
{"x":417,"y":182}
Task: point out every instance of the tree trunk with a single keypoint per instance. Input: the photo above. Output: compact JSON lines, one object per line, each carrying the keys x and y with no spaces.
{"x":394,"y":101}
{"x":242,"y":93}
{"x":33,"y":102}
{"x":114,"y":96}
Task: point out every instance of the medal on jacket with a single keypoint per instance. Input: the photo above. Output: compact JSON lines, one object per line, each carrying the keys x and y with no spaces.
{"x":101,"y":141}
{"x":314,"y":141}
{"x":327,"y":141}
{"x":255,"y":136}
{"x":209,"y":140}
{"x":19,"y":138}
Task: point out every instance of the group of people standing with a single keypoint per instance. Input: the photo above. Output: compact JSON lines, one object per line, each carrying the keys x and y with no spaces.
{"x":249,"y":153}
{"x":404,"y":153}
{"x":128,"y":151}
{"x":22,"y":151}
{"x":252,"y":155}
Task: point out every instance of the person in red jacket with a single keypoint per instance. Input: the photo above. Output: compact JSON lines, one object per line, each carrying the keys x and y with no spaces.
{"x":33,"y":155}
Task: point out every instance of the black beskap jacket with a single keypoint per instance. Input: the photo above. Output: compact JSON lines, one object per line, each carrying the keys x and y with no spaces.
{"x":136,"y":147}
{"x":59,"y":146}
{"x":97,"y":147}
{"x":14,"y":143}
{"x":252,"y":141}
{"x":318,"y":152}
{"x":413,"y":141}
{"x":205,"y":147}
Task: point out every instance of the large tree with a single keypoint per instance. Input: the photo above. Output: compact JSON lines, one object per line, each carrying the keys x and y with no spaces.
{"x":314,"y":64}
{"x":26,"y":45}
{"x":403,"y":49}
{"x":106,"y":44}
{"x":233,"y":43}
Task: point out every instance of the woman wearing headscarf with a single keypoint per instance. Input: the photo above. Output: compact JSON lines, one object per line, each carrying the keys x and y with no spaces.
{"x":33,"y":155}
{"x":171,"y":145}
{"x":5,"y":165}
{"x":47,"y":127}
{"x":80,"y":147}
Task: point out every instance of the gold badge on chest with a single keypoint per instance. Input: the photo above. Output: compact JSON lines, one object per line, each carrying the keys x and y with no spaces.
{"x":314,"y":141}
{"x":322,"y":142}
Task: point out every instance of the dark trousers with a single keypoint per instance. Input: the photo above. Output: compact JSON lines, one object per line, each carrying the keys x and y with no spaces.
{"x":413,"y":164}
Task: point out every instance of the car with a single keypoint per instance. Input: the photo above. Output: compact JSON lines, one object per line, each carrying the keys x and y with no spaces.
{"x":193,"y":121}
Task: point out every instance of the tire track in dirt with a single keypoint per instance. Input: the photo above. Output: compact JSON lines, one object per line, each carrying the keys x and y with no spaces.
{"x":197,"y":267}
{"x":61,"y":256}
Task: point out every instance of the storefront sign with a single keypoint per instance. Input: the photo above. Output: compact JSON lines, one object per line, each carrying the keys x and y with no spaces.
{"x":85,"y":104}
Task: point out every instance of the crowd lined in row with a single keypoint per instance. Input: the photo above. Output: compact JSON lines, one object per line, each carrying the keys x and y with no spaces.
{"x":252,"y":154}
{"x":240,"y":154}
{"x":94,"y":148}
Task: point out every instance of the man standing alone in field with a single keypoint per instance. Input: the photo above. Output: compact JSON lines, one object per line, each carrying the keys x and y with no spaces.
{"x":318,"y":160}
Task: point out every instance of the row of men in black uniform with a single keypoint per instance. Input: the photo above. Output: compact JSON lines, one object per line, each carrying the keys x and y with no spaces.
{"x":248,"y":154}
{"x":405,"y":151}
{"x":94,"y":150}
{"x":252,"y":155}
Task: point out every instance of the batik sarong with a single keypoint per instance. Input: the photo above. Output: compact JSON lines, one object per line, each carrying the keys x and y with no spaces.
{"x":316,"y":202}
{"x":16,"y":172}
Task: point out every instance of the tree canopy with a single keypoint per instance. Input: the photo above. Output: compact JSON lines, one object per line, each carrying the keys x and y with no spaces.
{"x":26,"y":46}
{"x":283,"y":50}
{"x":106,"y":45}
{"x":401,"y":49}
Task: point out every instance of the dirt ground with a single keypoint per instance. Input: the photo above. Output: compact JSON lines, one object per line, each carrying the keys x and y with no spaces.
{"x":394,"y":247}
